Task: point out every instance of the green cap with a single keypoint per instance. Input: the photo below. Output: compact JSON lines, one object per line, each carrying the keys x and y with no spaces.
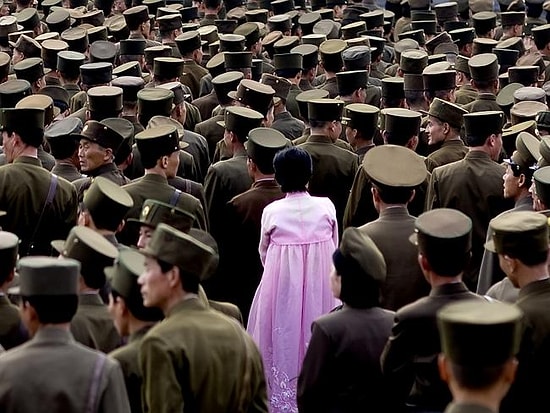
{"x":408,"y":169}
{"x":518,"y":233}
{"x":331,"y":52}
{"x":168,"y":67}
{"x":543,"y":120}
{"x":413,"y":61}
{"x":42,"y":102}
{"x":262,"y":145}
{"x":527,"y":153}
{"x":484,"y":67}
{"x":512,"y":18}
{"x":527,"y":110}
{"x":417,"y":35}
{"x":132,"y":47}
{"x":393,"y":87}
{"x":154,"y":212}
{"x":402,"y":121}
{"x":461,"y":64}
{"x":541,"y":177}
{"x":496,"y":327}
{"x":280,"y":85}
{"x":28,"y":122}
{"x":526,"y":75}
{"x":50,"y":50}
{"x":30,"y":69}
{"x":352,"y":30}
{"x":225,"y":83}
{"x":229,"y":43}
{"x":101,"y":134}
{"x":158,"y":141}
{"x":360,"y":248}
{"x":91,"y":249}
{"x":310,"y":55}
{"x":484,"y":21}
{"x":237,"y":60}
{"x":68,"y":63}
{"x":303,"y":98}
{"x":105,"y":99}
{"x":151,"y":53}
{"x":413,"y":82}
{"x":241,"y":120}
{"x":441,"y":232}
{"x":505,"y":98}
{"x":183,"y":250}
{"x":349,"y":82}
{"x":285,"y":44}
{"x":483,"y":124}
{"x":447,"y":112}
{"x":76,"y":38}
{"x":188,"y":42}
{"x":436,"y":79}
{"x":530,"y":93}
{"x":155,"y":101}
{"x":541,"y":34}
{"x":515,"y":43}
{"x":511,"y":133}
{"x":325,"y":110}
{"x":544,"y":149}
{"x":47,"y":276}
{"x":95,"y":74}
{"x":287,"y":61}
{"x":362,"y":117}
{"x":254,"y":94}
{"x":9,"y":248}
{"x":107,"y":203}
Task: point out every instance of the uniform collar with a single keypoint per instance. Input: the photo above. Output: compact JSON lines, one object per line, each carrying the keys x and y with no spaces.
{"x":53,"y":334}
{"x":467,"y":408}
{"x":533,"y":288}
{"x":265,"y":183}
{"x":90,"y":299}
{"x":446,"y":289}
{"x":186,"y":305}
{"x":319,"y":139}
{"x":107,"y":167}
{"x":31,"y":160}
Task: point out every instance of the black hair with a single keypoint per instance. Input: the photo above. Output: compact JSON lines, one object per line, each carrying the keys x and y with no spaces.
{"x":138,"y":310}
{"x":391,"y":102}
{"x":63,"y":150}
{"x":93,"y":278}
{"x":125,"y":58}
{"x":99,"y":116}
{"x":29,"y":135}
{"x":414,"y":97}
{"x":397,"y":139}
{"x":476,"y":377}
{"x":287,"y":73}
{"x":212,"y":4}
{"x":318,"y":123}
{"x":189,"y":282}
{"x":530,"y":258}
{"x":333,"y":65}
{"x":450,"y":264}
{"x":441,"y":94}
{"x":293,"y":168}
{"x":476,"y":140}
{"x":8,"y":258}
{"x":358,"y":290}
{"x":478,"y":32}
{"x":393,"y":195}
{"x":483,"y":84}
{"x":53,"y":309}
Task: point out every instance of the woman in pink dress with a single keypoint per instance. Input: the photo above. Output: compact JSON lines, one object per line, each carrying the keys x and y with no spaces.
{"x":298,"y":237}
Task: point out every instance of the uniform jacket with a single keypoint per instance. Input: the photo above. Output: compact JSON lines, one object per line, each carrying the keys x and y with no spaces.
{"x":484,"y":101}
{"x":128,"y":358}
{"x":465,"y":94}
{"x":405,"y":282}
{"x":206,"y":85}
{"x":12,"y":331}
{"x":148,"y":42}
{"x":472,"y":185}
{"x":331,"y":87}
{"x":206,"y":104}
{"x":24,"y":187}
{"x":192,"y":74}
{"x":71,"y":88}
{"x":198,"y":148}
{"x":291,"y":104}
{"x":189,"y":187}
{"x":93,"y":326}
{"x":409,"y":359}
{"x":53,"y":373}
{"x":109,"y":171}
{"x":341,"y":370}
{"x":208,"y":20}
{"x":467,"y":408}
{"x":305,"y":85}
{"x":450,"y":151}
{"x":212,"y":132}
{"x":288,"y":125}
{"x":78,"y":101}
{"x":67,"y":171}
{"x":207,"y":363}
{"x":333,"y":172}
{"x":175,"y":51}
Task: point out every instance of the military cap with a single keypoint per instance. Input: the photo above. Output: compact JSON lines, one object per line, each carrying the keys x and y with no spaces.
{"x":326,"y":14}
{"x":329,"y":28}
{"x":183,"y":250}
{"x":209,"y":33}
{"x":155,"y":101}
{"x":461,"y":64}
{"x":250,"y":31}
{"x":318,"y":4}
{"x":436,"y":79}
{"x":168,"y":67}
{"x":189,"y":27}
{"x":518,"y":233}
{"x":442,"y":37}
{"x":124,"y":128}
{"x":48,"y":4}
{"x":96,"y":73}
{"x":41,"y":102}
{"x":451,"y":25}
{"x":482,"y":45}
{"x":91,"y":249}
{"x":325,"y":110}
{"x":463,"y":36}
{"x":68,"y":63}
{"x":417,"y":35}
{"x":230,"y":43}
{"x":428,"y":26}
{"x":362,"y":117}
{"x":357,"y":57}
{"x":413,"y":61}
{"x":134,"y":16}
{"x":314,"y":39}
{"x":447,"y":112}
{"x":285,"y":44}
{"x":515,"y":43}
{"x":254,"y":94}
{"x":28,"y":46}
{"x":349,"y":82}
{"x":483,"y":67}
{"x":28,"y":18}
{"x":526,"y":75}
{"x":169,"y":22}
{"x":441,"y":232}
{"x":496,"y":327}
{"x":527,"y":153}
{"x":102,"y":51}
{"x":543,"y":120}
{"x":304,"y":97}
{"x":8,"y":24}
{"x":405,"y":45}
{"x":257,"y":15}
{"x":13,"y":91}
{"x":287,"y":61}
{"x":117,"y":27}
{"x":422,"y":15}
{"x":14,"y":37}
{"x":59,"y":95}
{"x":446,"y":11}
{"x":50,"y":50}
{"x":28,"y":122}
{"x":153,"y":6}
{"x":47,"y":276}
{"x":408,"y":169}
{"x":64,"y":133}
{"x":373,"y":18}
{"x":132,"y":69}
{"x":188,"y":42}
{"x":484,"y":21}
{"x":154,"y":212}
{"x":105,"y":99}
{"x":97,"y":33}
{"x":153,"y":52}
{"x":541,"y":35}
{"x":506,"y":58}
{"x":544,"y":160}
{"x":241,"y":120}
{"x":511,"y":18}
{"x":282,"y":6}
{"x":526,"y":110}
{"x":393,"y":87}
{"x":237,"y":60}
{"x":30,"y":69}
{"x":413,"y":82}
{"x":280,"y":23}
{"x":308,"y":20}
{"x":225,"y":83}
{"x":352,"y":30}
{"x":505,"y":98}
{"x":216,"y":64}
{"x":76,"y":38}
{"x":47,"y":36}
{"x":527,"y":93}
{"x":263,"y":144}
{"x":101,"y":134}
{"x":541,"y":176}
{"x":189,"y":14}
{"x":503,"y":80}
{"x":402,"y":121}
{"x":309,"y":53}
{"x":483,"y":124}
{"x":331,"y":52}
{"x":158,"y":141}
{"x":9,"y":246}
{"x":510,"y":134}
{"x":280,"y":85}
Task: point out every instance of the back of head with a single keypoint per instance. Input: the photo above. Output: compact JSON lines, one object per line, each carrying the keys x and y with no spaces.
{"x":293,"y":168}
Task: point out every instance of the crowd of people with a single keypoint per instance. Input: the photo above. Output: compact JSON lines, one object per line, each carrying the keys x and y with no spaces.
{"x":274,"y":206}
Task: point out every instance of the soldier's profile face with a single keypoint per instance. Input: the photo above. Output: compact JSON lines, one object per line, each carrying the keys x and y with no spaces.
{"x":91,"y":155}
{"x":155,"y":285}
{"x":436,"y":131}
{"x":145,"y":234}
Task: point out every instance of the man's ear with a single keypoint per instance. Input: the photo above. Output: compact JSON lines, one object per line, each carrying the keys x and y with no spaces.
{"x":443,"y":368}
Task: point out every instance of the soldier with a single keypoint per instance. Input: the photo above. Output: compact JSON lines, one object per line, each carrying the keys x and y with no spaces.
{"x":476,"y":177}
{"x":332,"y":63}
{"x":484,"y":24}
{"x":352,"y":86}
{"x":24,"y":48}
{"x":541,"y":36}
{"x":393,"y":93}
{"x":63,"y":137}
{"x":68,"y":69}
{"x":289,"y":66}
{"x":484,"y":72}
{"x":409,"y":361}
{"x":12,"y":330}
{"x":179,"y":261}
{"x":333,"y":168}
{"x":445,"y":121}
{"x":479,"y":372}
{"x":130,"y":86}
{"x":47,"y":210}
{"x":310,"y":63}
{"x":439,"y":82}
{"x":92,"y":324}
{"x":31,"y":70}
{"x":91,"y":75}
{"x":131,"y":319}
{"x":170,"y":29}
{"x":513,"y":23}
{"x":189,"y":46}
{"x":361,"y":122}
{"x":359,"y":58}
{"x":210,"y":9}
{"x":521,"y":241}
{"x":465,"y":93}
{"x":48,"y":288}
{"x":137,"y":20}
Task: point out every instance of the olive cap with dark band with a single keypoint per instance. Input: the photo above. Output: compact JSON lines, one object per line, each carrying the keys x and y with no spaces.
{"x":159,"y":141}
{"x":362,"y":250}
{"x":241,"y":120}
{"x":101,"y":134}
{"x":447,"y":112}
{"x":362,"y":117}
{"x":263,"y":144}
{"x":47,"y":276}
{"x":154,"y":212}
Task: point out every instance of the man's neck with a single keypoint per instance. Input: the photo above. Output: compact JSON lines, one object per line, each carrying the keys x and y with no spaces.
{"x":157,"y":170}
{"x":330,"y":75}
{"x":136,"y":33}
{"x":67,"y":161}
{"x":175,"y":298}
{"x":135,"y":325}
{"x":439,"y":280}
{"x":452,"y":137}
{"x":523,"y":193}
{"x":29,"y":151}
{"x":258,"y":176}
{"x":362,"y":143}
{"x":528,"y":275}
{"x":211,"y":12}
{"x":480,"y":149}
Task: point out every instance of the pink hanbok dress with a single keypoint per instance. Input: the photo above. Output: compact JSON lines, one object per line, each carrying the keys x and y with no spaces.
{"x":299,"y":234}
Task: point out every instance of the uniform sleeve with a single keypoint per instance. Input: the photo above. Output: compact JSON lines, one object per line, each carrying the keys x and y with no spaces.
{"x":156,"y":362}
{"x":312,"y":383}
{"x":259,"y":402}
{"x":213,"y":194}
{"x":432,"y":197}
{"x":115,"y":397}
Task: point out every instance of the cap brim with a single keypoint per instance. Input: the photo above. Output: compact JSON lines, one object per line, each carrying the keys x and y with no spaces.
{"x":490,"y":246}
{"x":109,"y":273}
{"x":58,"y":245}
{"x":56,"y":111}
{"x":233,"y":95}
{"x":413,"y":238}
{"x":345,"y":120}
{"x":12,"y":44}
{"x":221,"y":123}
{"x":183,"y":144}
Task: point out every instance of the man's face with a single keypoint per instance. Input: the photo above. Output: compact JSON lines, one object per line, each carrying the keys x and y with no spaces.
{"x":8,"y":142}
{"x":145,"y":234}
{"x":173,"y":164}
{"x":17,"y":57}
{"x":155,"y":286}
{"x":91,"y":155}
{"x":497,"y":148}
{"x":510,"y":184}
{"x":436,"y":131}
{"x":116,"y":309}
{"x":350,"y":135}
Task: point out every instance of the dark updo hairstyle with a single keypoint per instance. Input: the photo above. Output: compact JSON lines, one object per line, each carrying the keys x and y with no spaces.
{"x":293,"y":168}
